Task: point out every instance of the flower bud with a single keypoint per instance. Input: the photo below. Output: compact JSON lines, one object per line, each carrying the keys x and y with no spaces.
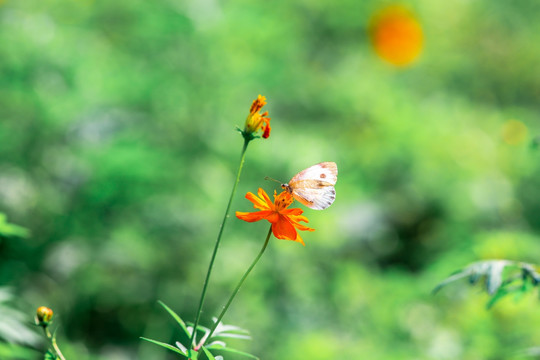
{"x":256,"y":121}
{"x":44,"y":316}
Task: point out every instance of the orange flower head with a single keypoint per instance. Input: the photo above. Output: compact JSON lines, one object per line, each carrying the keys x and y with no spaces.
{"x":396,"y":35}
{"x":257,"y":121}
{"x":43,"y":316}
{"x":284,"y":221}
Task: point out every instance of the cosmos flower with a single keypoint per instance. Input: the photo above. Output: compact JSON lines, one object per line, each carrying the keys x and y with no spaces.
{"x":285,"y":222}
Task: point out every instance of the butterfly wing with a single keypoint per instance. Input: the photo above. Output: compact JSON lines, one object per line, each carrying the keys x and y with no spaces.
{"x":314,"y":186}
{"x":325,"y":171}
{"x":314,"y":194}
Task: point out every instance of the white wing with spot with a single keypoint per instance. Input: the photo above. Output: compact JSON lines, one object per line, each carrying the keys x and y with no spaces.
{"x":314,"y":186}
{"x":325,"y":171}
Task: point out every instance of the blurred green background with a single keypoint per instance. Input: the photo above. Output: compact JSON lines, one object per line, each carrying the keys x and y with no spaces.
{"x":118,"y":152}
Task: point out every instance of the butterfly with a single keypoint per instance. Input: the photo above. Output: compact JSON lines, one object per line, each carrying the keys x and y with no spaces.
{"x":314,"y":186}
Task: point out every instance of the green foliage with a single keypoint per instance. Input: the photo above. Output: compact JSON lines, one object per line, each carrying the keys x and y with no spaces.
{"x":15,"y":326}
{"x":16,"y":352}
{"x":50,"y":355}
{"x":215,"y":342}
{"x":209,"y":354}
{"x":116,"y":144}
{"x":16,"y":336}
{"x":176,"y":318}
{"x":500,"y":277}
{"x":10,"y":230}
{"x":167,"y":346}
{"x":222,"y":348}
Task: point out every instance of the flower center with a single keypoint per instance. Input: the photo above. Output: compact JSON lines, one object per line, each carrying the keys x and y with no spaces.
{"x":283,"y":200}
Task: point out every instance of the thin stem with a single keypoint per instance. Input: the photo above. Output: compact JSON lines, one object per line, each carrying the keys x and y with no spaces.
{"x":210,"y":266}
{"x":226,"y":307}
{"x":53,"y":343}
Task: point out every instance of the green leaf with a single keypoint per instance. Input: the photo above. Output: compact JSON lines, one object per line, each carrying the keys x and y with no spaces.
{"x":199,"y":327}
{"x":193,"y":355}
{"x":50,"y":355}
{"x":208,"y":354}
{"x":176,"y":317}
{"x":234,"y":351}
{"x":11,"y":230}
{"x":492,"y":270}
{"x":460,"y":274}
{"x":502,"y":277}
{"x":13,"y":351}
{"x":499,"y":295}
{"x":166,"y":346}
{"x":231,"y":331}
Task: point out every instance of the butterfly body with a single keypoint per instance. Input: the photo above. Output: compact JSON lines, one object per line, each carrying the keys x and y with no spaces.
{"x":314,"y":186}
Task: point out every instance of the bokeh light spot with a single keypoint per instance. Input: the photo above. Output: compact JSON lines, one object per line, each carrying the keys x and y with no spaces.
{"x":514,"y":132}
{"x":396,"y":35}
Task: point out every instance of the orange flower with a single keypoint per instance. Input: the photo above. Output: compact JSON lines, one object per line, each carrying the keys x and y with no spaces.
{"x":257,"y":121}
{"x":284,"y":221}
{"x":396,"y":35}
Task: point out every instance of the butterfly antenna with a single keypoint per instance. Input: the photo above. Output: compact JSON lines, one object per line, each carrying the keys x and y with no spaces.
{"x":269,"y":178}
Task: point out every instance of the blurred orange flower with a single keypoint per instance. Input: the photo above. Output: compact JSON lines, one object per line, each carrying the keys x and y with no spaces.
{"x":257,"y":121}
{"x":284,"y":221}
{"x":396,"y":35}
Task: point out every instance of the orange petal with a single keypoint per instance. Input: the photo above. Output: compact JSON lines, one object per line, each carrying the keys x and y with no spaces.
{"x":298,"y":218}
{"x":253,"y":216}
{"x":295,"y":211}
{"x":257,"y":202}
{"x":263,"y":195}
{"x":299,"y":239}
{"x":266,"y":129}
{"x":273,"y":217}
{"x":295,"y":221}
{"x":283,"y":229}
{"x":302,"y":227}
{"x":257,"y":104}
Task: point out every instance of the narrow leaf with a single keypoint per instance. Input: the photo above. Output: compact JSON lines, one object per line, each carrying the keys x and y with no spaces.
{"x":175,"y":317}
{"x":165,"y":345}
{"x":234,"y":351}
{"x":208,"y":354}
{"x":232,"y":335}
{"x":456,"y":276}
{"x":11,"y":230}
{"x":216,"y":344}
{"x":199,"y":327}
{"x":499,"y":295}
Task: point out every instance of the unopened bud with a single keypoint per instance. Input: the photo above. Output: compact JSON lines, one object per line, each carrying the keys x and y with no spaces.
{"x":256,"y":121}
{"x":44,"y":316}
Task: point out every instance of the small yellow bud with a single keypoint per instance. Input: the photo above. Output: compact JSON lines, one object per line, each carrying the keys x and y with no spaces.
{"x":257,"y":121}
{"x":44,"y":316}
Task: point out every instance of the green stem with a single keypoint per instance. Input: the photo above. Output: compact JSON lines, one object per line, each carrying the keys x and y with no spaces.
{"x":53,"y":343}
{"x":226,"y":307}
{"x":225,"y":217}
